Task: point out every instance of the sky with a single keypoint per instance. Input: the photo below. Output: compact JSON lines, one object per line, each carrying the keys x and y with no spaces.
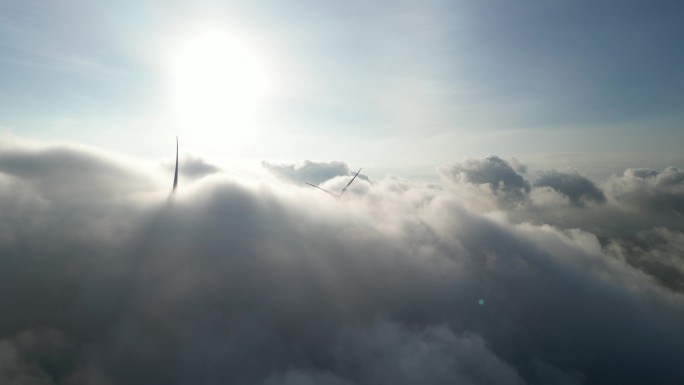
{"x":396,"y":86}
{"x":517,"y":218}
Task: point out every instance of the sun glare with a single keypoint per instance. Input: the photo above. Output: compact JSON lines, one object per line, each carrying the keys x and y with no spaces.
{"x":219,"y":82}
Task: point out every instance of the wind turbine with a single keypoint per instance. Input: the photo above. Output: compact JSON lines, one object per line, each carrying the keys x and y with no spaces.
{"x":341,"y":192}
{"x":175,"y":175}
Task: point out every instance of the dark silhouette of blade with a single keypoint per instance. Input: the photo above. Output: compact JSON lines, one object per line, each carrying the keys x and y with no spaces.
{"x":343,"y":190}
{"x":321,"y":188}
{"x":350,"y":182}
{"x":175,"y":175}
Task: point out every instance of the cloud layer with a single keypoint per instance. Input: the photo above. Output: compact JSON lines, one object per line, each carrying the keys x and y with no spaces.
{"x":107,"y":279}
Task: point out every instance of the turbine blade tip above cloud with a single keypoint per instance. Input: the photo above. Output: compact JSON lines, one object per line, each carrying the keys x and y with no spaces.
{"x":175,"y":174}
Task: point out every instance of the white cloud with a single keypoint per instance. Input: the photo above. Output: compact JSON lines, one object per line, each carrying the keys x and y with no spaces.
{"x":239,"y":281}
{"x":492,"y":171}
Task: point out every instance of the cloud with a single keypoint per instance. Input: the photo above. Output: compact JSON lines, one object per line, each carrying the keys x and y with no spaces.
{"x":262,"y":282}
{"x":390,"y":353}
{"x":493,"y":171}
{"x":66,"y":168}
{"x":192,"y":167}
{"x":310,"y":171}
{"x":659,"y":252}
{"x":19,"y":354}
{"x":578,"y":189}
{"x":650,"y":189}
{"x":628,"y":213}
{"x":384,"y":352}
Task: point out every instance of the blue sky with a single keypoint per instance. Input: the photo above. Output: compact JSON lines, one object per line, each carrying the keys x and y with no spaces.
{"x":391,"y":85}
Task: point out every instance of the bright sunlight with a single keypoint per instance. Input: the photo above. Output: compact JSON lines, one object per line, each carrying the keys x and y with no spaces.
{"x":219,"y":82}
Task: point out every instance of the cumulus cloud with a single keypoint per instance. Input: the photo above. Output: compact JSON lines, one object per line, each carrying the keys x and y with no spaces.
{"x":492,"y":171}
{"x":650,"y":189}
{"x":579,"y":189}
{"x":262,"y":282}
{"x":621,"y":212}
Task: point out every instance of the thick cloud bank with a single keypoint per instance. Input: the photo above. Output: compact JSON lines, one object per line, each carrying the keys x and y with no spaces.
{"x":106,"y":278}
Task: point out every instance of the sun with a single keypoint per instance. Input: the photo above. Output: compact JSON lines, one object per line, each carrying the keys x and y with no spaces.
{"x":218,"y":82}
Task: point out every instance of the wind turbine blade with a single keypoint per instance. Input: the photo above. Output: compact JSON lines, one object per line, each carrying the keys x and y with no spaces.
{"x":321,"y":188}
{"x":350,"y":182}
{"x":175,"y":175}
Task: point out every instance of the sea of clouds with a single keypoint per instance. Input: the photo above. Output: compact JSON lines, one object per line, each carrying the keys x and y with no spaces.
{"x":491,"y":276}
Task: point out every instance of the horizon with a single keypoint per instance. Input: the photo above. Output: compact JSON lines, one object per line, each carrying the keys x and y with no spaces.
{"x":411,"y":86}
